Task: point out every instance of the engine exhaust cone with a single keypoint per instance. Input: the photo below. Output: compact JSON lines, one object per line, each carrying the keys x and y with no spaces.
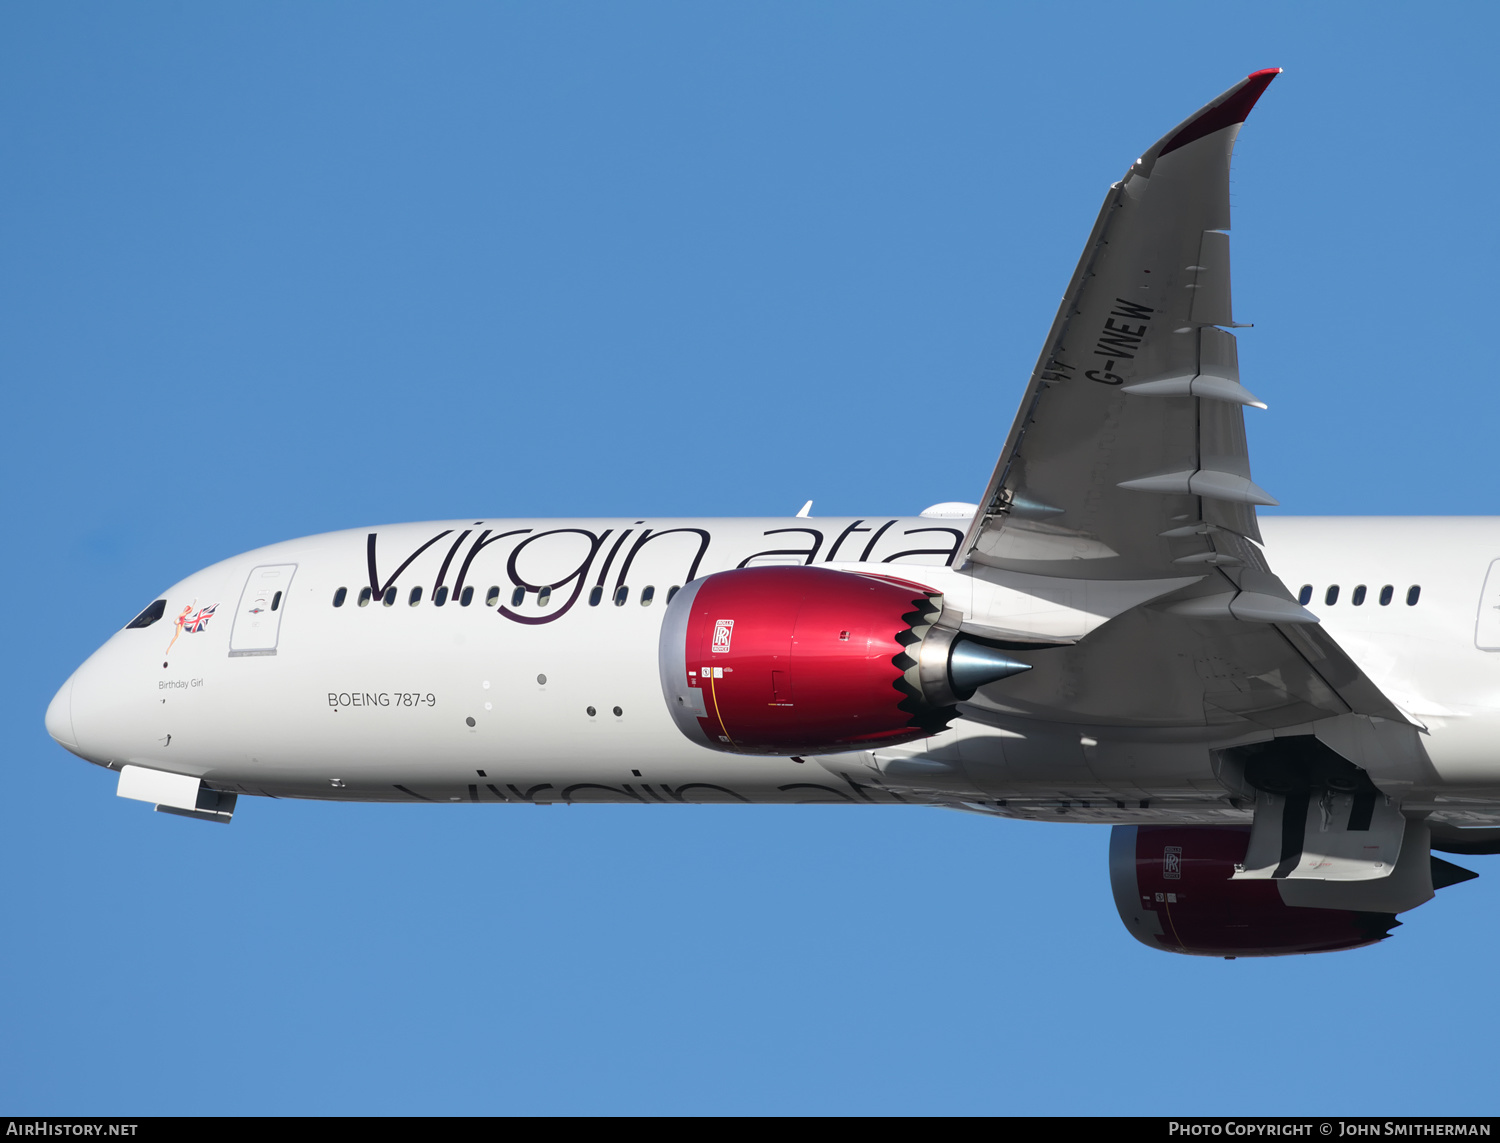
{"x":971,"y":665}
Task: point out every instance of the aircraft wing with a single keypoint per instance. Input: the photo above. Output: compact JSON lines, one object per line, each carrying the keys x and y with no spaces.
{"x":1128,"y":462}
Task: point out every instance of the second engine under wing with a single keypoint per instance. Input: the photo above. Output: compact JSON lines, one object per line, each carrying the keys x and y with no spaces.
{"x":1128,"y":462}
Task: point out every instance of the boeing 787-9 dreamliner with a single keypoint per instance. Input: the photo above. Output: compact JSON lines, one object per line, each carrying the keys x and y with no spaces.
{"x":1281,"y":718}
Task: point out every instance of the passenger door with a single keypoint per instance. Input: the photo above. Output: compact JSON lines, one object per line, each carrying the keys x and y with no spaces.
{"x":1487,"y":625}
{"x":257,"y":620}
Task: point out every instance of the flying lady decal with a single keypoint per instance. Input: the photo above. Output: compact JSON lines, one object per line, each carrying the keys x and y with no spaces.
{"x":192,"y":621}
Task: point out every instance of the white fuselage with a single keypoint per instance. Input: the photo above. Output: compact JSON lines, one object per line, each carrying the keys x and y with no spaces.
{"x":560,"y":701}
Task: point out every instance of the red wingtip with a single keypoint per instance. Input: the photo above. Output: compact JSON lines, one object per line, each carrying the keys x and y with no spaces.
{"x":1232,"y":109}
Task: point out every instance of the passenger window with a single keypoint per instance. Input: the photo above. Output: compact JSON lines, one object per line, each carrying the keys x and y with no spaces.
{"x":543,"y":596}
{"x":595,"y":596}
{"x":622,"y":593}
{"x":1386,"y":593}
{"x":389,"y":598}
{"x":364,"y":597}
{"x":467,"y":597}
{"x":647,"y":595}
{"x":1359,"y":595}
{"x":492,"y":597}
{"x":518,"y":597}
{"x":1413,"y":594}
{"x":275,"y":601}
{"x":415,"y":597}
{"x":440,"y":596}
{"x":149,"y":616}
{"x":1331,"y":596}
{"x":339,"y":596}
{"x":671,"y":591}
{"x":1304,"y":596}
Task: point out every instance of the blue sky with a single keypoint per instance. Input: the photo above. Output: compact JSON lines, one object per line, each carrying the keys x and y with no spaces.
{"x":275,"y":269}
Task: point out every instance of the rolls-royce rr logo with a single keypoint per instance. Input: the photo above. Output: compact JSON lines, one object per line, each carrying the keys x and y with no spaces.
{"x":1171,"y":863}
{"x":723,"y":629}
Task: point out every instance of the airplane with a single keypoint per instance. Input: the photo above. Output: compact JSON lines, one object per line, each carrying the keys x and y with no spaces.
{"x":1283,"y":720}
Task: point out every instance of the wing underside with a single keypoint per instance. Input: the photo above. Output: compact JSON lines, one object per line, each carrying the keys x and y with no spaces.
{"x":1128,"y":461}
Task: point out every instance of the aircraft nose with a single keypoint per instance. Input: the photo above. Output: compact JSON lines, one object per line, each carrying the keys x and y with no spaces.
{"x":60,"y":716}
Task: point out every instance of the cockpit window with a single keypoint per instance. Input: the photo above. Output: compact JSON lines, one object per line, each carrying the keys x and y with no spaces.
{"x":149,"y":616}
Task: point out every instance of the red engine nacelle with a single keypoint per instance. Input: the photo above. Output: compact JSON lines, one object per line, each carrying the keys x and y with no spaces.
{"x":802,"y":660}
{"x":1172,"y":888}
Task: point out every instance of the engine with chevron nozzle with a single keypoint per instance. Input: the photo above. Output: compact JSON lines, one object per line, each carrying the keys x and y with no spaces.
{"x":803,"y":660}
{"x":1175,"y":890}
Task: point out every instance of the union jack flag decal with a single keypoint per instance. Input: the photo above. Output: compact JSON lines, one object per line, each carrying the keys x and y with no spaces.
{"x":198,"y":620}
